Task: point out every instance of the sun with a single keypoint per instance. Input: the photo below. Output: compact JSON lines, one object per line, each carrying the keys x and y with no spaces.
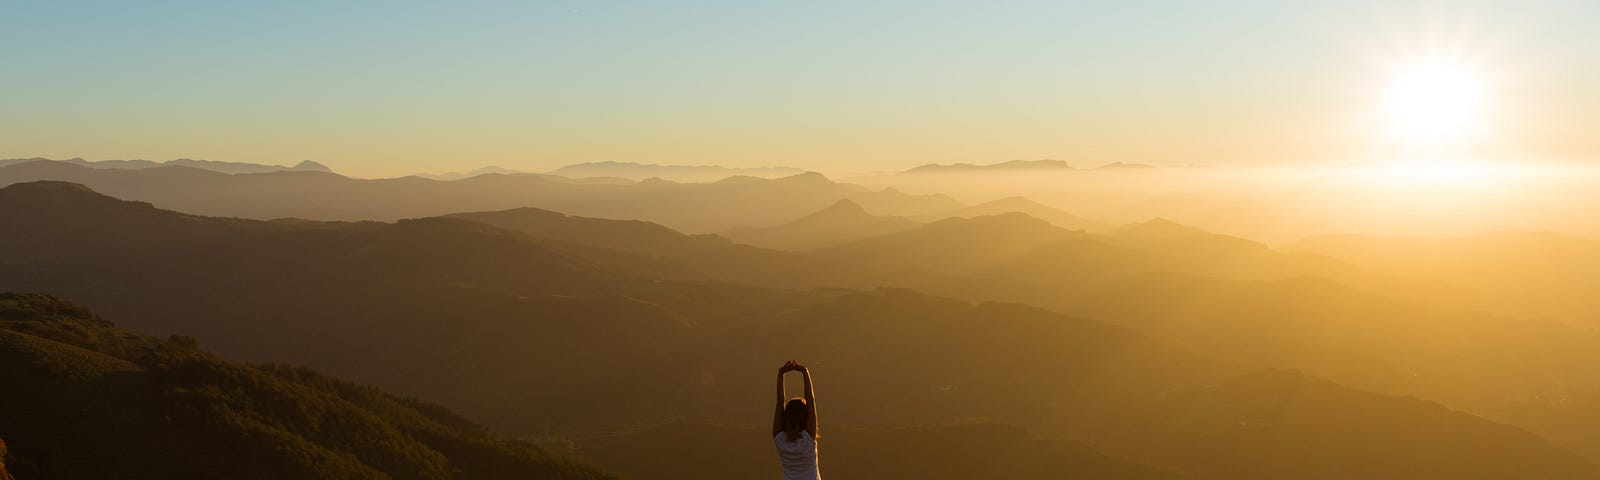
{"x":1435,"y":103}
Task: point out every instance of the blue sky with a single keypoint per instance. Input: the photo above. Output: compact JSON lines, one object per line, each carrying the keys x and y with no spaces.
{"x":382,"y":88}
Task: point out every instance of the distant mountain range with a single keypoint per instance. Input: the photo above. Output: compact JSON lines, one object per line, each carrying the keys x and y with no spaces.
{"x":689,"y":207}
{"x":489,"y":170}
{"x":215,"y":166}
{"x":1014,"y":165}
{"x":677,"y":173}
{"x":545,"y":327}
{"x":1019,"y":166}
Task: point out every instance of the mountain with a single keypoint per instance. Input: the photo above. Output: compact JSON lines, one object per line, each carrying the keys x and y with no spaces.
{"x":1026,"y":206}
{"x":539,"y":335}
{"x":680,"y":173}
{"x":1011,"y":166}
{"x":954,"y":245}
{"x":1157,"y":228}
{"x":211,"y":165}
{"x":841,"y":222}
{"x":413,"y":306}
{"x":953,"y":450}
{"x":85,"y":399}
{"x":624,"y":235}
{"x":312,"y":293}
{"x":1533,"y":273}
{"x":694,"y":208}
{"x":1286,"y":424}
{"x":714,"y":256}
{"x":471,"y":173}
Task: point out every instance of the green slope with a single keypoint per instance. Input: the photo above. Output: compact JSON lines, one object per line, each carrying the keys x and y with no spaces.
{"x":975,"y":449}
{"x":84,"y":399}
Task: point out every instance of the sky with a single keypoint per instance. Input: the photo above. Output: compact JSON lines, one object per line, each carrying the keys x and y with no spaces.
{"x":392,"y":88}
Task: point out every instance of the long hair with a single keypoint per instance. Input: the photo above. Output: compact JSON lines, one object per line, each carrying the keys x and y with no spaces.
{"x":795,"y":415}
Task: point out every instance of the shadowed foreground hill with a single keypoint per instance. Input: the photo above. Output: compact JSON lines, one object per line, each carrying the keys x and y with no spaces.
{"x":84,"y":399}
{"x":4,"y":475}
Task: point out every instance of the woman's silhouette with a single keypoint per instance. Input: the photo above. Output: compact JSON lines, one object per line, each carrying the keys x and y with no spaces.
{"x":794,"y":428}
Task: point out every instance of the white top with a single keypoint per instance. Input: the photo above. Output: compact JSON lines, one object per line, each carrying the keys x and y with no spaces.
{"x":799,"y":457}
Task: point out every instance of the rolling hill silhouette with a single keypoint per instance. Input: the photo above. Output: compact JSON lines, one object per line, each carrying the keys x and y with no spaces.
{"x":624,"y":235}
{"x":1025,"y":206}
{"x":1286,"y":424}
{"x":1534,"y":273}
{"x":87,"y":400}
{"x":842,"y":222}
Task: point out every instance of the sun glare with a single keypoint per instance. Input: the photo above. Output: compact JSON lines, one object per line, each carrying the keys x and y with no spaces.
{"x":1435,"y":104}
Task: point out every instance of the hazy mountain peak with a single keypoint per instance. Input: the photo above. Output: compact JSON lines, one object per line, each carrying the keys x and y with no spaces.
{"x":311,"y":166}
{"x":737,"y":179}
{"x":1015,"y":202}
{"x":844,"y":206}
{"x":1006,"y":218}
{"x":657,"y":181}
{"x":843,"y":221}
{"x":1158,"y":228}
{"x":681,"y":173}
{"x":1002,"y":166}
{"x":1125,"y":166}
{"x":806,"y":177}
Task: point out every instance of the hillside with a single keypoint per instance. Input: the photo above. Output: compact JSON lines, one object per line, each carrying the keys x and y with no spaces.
{"x":87,"y":400}
{"x":842,"y":222}
{"x":1286,"y":424}
{"x":956,"y":450}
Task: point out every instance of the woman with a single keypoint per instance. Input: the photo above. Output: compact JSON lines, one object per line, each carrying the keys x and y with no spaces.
{"x":794,"y":429}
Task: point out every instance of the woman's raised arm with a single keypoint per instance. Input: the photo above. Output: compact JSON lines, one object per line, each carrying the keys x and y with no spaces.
{"x":777,"y":414}
{"x":811,"y":403}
